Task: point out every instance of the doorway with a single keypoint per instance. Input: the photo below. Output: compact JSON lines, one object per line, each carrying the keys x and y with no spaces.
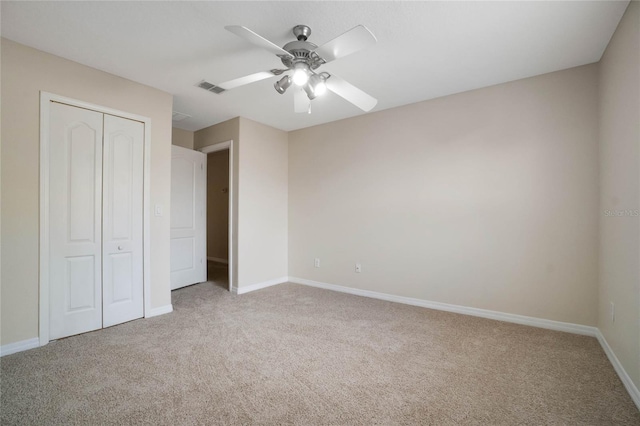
{"x":219,"y":214}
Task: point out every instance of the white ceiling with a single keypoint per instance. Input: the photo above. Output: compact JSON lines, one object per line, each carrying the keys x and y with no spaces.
{"x":425,"y":49}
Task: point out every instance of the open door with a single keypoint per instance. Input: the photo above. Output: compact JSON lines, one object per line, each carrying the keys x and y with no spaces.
{"x":188,"y":217}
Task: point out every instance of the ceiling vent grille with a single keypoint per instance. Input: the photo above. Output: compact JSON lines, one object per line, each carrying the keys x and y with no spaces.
{"x":210,"y":87}
{"x":179,"y":116}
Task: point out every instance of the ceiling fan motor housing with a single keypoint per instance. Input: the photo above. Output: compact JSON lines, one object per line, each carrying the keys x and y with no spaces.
{"x":302,"y":32}
{"x":302,"y":51}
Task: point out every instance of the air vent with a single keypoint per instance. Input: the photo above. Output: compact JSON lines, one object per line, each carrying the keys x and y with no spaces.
{"x":210,"y":87}
{"x":179,"y":116}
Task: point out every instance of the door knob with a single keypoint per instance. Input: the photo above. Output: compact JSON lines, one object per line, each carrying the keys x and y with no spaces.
{"x":119,"y":247}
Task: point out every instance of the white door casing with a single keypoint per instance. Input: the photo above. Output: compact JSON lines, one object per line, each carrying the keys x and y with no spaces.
{"x":75,"y":186}
{"x":232,"y":238}
{"x":232,"y":243}
{"x":122,"y":272}
{"x":188,"y":220}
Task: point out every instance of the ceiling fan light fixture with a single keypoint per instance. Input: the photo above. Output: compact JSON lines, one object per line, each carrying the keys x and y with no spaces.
{"x":309,"y":91}
{"x":320,"y":88}
{"x":300,"y":74}
{"x":283,"y":84}
{"x":318,"y":85}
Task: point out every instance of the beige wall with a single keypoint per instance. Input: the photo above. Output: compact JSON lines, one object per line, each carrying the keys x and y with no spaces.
{"x":620,"y":191}
{"x":226,"y":131}
{"x":263,"y":199}
{"x":486,"y":199}
{"x":218,"y":205}
{"x":183,"y":138}
{"x":25,"y":72}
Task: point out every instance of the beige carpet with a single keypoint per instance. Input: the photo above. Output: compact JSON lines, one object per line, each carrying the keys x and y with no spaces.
{"x":291,"y":354}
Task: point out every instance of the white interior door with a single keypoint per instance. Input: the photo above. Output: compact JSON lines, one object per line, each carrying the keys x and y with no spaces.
{"x":75,"y":188}
{"x":122,"y":284}
{"x":188,"y":217}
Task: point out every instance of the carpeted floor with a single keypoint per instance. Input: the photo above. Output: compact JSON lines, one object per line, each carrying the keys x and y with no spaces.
{"x":291,"y":354}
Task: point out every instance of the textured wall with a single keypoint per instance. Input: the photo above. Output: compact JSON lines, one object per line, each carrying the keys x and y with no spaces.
{"x":620,"y":192}
{"x":183,"y":138}
{"x":262,"y":210}
{"x":486,"y":199}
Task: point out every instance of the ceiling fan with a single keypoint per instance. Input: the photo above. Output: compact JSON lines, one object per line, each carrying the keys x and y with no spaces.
{"x":302,"y":60}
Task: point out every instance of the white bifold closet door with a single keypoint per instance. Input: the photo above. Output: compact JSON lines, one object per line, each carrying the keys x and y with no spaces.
{"x":122,"y":283}
{"x":95,"y":220}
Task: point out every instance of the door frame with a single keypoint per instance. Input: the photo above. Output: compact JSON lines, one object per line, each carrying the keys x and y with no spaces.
{"x":221,"y":146}
{"x":45,"y":101}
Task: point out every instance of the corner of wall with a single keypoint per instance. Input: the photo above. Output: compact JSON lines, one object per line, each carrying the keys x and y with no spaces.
{"x":183,"y":138}
{"x":619,"y":187}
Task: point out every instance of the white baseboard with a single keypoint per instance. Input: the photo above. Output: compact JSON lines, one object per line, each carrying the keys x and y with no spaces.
{"x":160,"y":310}
{"x":476,"y":312}
{"x":626,"y":380}
{"x":20,"y":346}
{"x":217,"y":259}
{"x":500,"y":316}
{"x":258,"y":286}
{"x":24,"y":345}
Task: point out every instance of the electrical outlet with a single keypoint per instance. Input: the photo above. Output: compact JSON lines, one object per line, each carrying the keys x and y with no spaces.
{"x":612,"y":311}
{"x":316,"y":262}
{"x":358,"y":268}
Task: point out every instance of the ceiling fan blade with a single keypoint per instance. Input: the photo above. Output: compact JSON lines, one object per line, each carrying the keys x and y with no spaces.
{"x":355,"y":39}
{"x":301,"y":102}
{"x":252,"y":78}
{"x":258,"y":40}
{"x":351,"y":93}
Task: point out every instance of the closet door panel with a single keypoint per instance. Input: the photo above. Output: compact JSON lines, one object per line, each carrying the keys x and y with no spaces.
{"x":75,"y":212}
{"x":122,"y":220}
